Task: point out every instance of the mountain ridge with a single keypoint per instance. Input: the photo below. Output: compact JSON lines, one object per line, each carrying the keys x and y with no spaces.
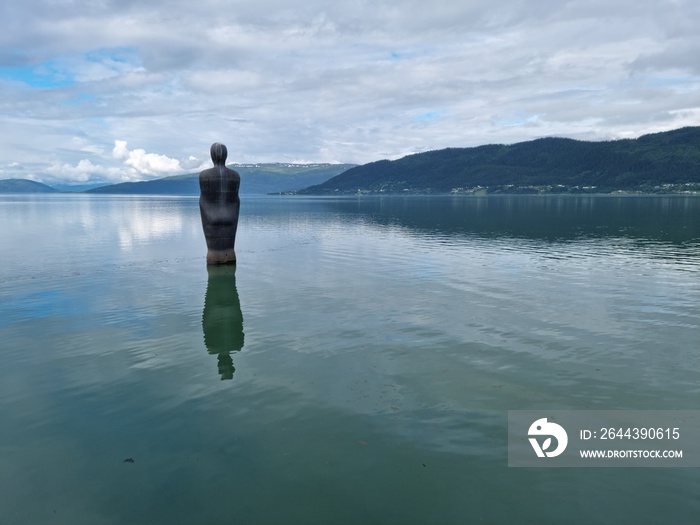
{"x":24,"y":186}
{"x":262,"y":178}
{"x":663,"y":162}
{"x":660,"y":162}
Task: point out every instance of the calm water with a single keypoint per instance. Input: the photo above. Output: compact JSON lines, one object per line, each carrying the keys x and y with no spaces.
{"x":357,"y":367}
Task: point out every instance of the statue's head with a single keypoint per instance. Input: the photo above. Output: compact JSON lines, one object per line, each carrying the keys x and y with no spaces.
{"x":218,"y":154}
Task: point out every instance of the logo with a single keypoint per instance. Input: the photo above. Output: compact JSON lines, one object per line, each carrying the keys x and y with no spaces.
{"x":542,"y":427}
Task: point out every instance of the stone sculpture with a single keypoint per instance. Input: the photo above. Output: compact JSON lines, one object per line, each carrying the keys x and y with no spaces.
{"x":219,"y":206}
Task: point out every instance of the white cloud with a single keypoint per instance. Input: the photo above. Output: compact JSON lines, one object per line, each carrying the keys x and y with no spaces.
{"x":82,"y":172}
{"x":136,"y":165}
{"x":145,"y":163}
{"x":277,"y":80}
{"x":194,"y":164}
{"x":223,"y":82}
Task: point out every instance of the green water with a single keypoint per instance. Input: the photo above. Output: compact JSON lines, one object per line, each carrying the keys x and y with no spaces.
{"x":357,"y":367}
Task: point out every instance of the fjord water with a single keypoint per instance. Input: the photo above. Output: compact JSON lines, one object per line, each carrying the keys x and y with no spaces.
{"x":357,"y":367}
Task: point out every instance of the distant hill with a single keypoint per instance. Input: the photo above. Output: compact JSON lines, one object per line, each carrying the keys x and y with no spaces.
{"x":24,"y":186}
{"x":177,"y":185}
{"x":77,"y":188}
{"x":255,"y":179}
{"x":660,"y":162}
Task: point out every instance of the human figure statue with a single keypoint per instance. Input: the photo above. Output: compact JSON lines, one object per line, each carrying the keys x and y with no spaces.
{"x":219,"y":206}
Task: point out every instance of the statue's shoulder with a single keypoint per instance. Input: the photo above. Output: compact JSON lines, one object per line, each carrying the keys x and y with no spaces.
{"x":233,"y":173}
{"x":206,"y":173}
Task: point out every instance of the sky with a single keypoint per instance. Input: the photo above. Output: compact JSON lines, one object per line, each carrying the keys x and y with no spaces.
{"x":123,"y":90}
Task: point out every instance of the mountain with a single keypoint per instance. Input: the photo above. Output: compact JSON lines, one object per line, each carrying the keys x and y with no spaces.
{"x":24,"y":186}
{"x":660,"y":162}
{"x":77,"y":188}
{"x":255,"y":179}
{"x":177,"y":185}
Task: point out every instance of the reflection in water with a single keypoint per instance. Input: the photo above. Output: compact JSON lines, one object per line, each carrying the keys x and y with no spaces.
{"x":222,"y":319}
{"x":411,"y":325}
{"x":669,"y":219}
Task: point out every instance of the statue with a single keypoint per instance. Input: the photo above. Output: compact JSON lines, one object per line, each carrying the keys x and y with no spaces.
{"x":219,"y":206}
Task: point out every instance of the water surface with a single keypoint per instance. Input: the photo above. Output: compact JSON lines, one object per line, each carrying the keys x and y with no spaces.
{"x":357,"y":367}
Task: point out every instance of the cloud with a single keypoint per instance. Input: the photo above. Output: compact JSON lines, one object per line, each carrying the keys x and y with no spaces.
{"x":136,"y":165}
{"x":100,"y":64}
{"x":83,"y":172}
{"x":350,"y":81}
{"x":681,"y":57}
{"x":145,"y":163}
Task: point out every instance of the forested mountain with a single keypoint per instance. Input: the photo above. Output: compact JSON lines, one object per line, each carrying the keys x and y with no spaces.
{"x":652,"y":163}
{"x":657,"y":163}
{"x":255,"y":179}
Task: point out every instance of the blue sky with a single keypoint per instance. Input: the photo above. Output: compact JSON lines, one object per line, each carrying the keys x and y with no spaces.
{"x":123,"y":90}
{"x":40,"y":76}
{"x":71,"y":69}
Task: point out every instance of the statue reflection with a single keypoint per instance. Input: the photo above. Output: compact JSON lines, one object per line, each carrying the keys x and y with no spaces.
{"x":222,"y":319}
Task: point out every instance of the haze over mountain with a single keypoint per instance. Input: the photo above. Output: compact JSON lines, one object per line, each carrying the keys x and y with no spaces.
{"x":255,"y":179}
{"x":24,"y":186}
